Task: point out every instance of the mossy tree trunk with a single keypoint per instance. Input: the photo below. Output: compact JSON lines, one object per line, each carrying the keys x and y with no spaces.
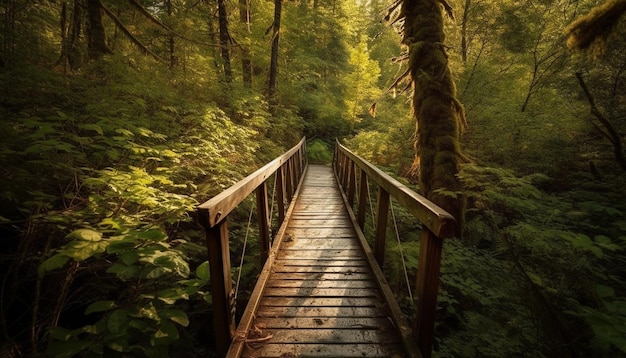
{"x":437,"y":112}
{"x":96,"y":36}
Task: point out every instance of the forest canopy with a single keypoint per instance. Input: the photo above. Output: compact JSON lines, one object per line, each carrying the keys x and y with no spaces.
{"x":118,"y":117}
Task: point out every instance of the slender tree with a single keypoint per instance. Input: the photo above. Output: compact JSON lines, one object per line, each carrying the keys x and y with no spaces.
{"x":273,"y":75}
{"x":225,"y":40}
{"x":246,"y":62}
{"x":171,"y":43}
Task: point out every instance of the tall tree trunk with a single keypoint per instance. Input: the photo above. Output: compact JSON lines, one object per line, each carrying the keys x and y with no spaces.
{"x":466,"y":10}
{"x":70,"y":33}
{"x":224,"y":40}
{"x":272,"y":100}
{"x":96,"y":37}
{"x":437,"y":112}
{"x":172,"y":43}
{"x":246,"y":63}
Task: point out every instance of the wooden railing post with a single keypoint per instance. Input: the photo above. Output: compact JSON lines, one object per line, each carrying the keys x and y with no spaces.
{"x":382,"y":211}
{"x":289,"y":180}
{"x":262,"y":218}
{"x":280,"y":194}
{"x":345,"y":172}
{"x":427,"y":286}
{"x":351,"y":183}
{"x":360,"y":219}
{"x":221,"y":285}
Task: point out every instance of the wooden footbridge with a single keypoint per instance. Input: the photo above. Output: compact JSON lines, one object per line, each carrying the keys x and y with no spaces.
{"x":321,"y":292}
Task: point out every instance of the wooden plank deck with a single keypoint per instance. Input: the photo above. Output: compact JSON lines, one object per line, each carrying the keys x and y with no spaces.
{"x":321,"y":298}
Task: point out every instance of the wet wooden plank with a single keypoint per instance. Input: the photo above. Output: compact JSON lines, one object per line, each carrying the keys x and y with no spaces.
{"x":318,"y":269}
{"x":339,"y":254}
{"x":331,"y":336}
{"x":320,"y":276}
{"x":321,"y":301}
{"x":320,"y":232}
{"x":268,"y":311}
{"x":326,"y":350}
{"x":319,"y":292}
{"x":320,"y":222}
{"x":298,"y":261}
{"x":322,"y":284}
{"x":326,"y":322}
{"x":324,"y":244}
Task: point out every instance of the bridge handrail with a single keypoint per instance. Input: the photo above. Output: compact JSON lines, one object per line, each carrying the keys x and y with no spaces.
{"x":437,"y":220}
{"x":437,"y":224}
{"x":218,"y":207}
{"x":213,"y":215}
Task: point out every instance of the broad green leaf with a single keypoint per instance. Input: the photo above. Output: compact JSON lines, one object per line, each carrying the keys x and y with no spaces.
{"x":157,"y":272}
{"x":82,"y":250}
{"x":149,"y":311}
{"x":110,"y":223}
{"x":93,"y":127}
{"x":85,"y":234}
{"x":129,"y":257}
{"x":100,"y":306}
{"x":53,"y":263}
{"x":124,"y":272}
{"x":121,"y":245}
{"x":60,"y":333}
{"x":152,"y":234}
{"x":119,"y":345}
{"x":202,"y":271}
{"x":124,"y":132}
{"x":117,"y":321}
{"x":138,"y":325}
{"x":176,"y":316}
{"x":166,"y":334}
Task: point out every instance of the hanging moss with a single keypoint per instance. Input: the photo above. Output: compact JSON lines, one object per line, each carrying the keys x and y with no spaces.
{"x":438,"y":114}
{"x":591,"y":31}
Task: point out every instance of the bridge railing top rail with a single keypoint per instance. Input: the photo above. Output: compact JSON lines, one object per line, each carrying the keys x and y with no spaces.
{"x":218,"y":207}
{"x":437,"y":220}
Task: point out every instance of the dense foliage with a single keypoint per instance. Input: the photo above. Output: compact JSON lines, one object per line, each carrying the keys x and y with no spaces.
{"x":109,"y":139}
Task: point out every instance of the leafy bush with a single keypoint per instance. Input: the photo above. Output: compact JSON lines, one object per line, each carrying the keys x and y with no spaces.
{"x":319,"y":152}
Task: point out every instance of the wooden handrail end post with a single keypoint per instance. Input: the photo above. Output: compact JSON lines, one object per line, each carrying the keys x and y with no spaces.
{"x":221,"y":285}
{"x":427,"y":287}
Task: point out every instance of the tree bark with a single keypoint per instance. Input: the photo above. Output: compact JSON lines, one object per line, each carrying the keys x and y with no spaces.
{"x":608,"y":130}
{"x":171,"y":42}
{"x":438,"y":114}
{"x":246,"y":63}
{"x":96,"y":36}
{"x":224,"y":40}
{"x":273,"y":75}
{"x":464,"y":46}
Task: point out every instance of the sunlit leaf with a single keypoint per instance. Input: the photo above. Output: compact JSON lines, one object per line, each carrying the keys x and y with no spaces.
{"x":202,"y":271}
{"x":100,"y":306}
{"x":85,"y":234}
